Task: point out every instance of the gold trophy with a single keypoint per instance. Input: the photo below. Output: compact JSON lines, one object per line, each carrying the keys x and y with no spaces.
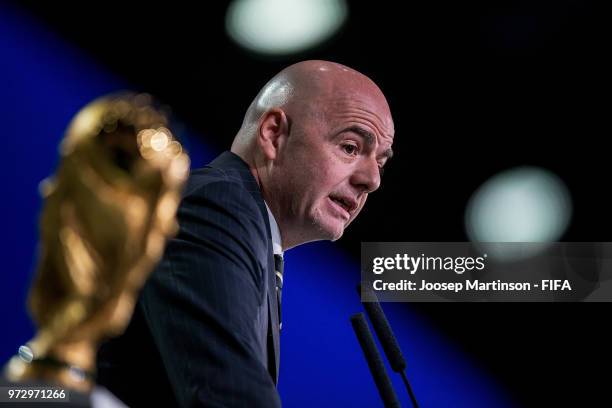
{"x":108,"y":212}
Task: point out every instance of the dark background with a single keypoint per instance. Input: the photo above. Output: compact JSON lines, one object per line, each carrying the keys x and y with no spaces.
{"x":474,"y":88}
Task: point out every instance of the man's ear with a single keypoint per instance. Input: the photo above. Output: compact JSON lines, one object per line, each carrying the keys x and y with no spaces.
{"x":273,"y":130}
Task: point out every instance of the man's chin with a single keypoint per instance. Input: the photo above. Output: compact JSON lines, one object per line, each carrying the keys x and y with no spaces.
{"x":328,"y":229}
{"x":331,"y":232}
{"x":337,"y":237}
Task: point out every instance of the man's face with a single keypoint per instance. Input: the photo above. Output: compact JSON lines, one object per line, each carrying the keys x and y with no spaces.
{"x":331,"y":161}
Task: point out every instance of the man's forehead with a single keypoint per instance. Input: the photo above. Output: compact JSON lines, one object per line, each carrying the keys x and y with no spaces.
{"x":374,"y":107}
{"x":360,"y":104}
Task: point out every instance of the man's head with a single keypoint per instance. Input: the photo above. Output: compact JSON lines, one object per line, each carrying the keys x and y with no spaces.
{"x":316,"y":137}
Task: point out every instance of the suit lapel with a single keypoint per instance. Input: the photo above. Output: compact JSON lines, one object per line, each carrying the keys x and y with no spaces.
{"x":273,"y":327}
{"x":230,"y":160}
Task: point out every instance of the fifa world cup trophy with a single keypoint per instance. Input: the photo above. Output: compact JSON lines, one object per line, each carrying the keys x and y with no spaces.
{"x":108,"y":211}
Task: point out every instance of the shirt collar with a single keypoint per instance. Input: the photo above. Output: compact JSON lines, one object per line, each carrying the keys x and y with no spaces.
{"x":277,"y":246}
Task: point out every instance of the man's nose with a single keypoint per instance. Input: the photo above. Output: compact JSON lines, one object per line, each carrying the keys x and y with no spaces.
{"x":366,"y":175}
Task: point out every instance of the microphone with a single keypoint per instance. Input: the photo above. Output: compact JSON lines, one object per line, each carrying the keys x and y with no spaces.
{"x":372,"y":356}
{"x":385,"y":335}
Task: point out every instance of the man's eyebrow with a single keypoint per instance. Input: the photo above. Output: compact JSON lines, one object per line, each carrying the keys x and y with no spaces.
{"x":369,"y":138}
{"x":365,"y":134}
{"x":388,"y":153}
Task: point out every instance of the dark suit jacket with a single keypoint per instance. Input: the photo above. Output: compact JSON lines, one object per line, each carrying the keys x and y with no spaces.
{"x":205,"y":329}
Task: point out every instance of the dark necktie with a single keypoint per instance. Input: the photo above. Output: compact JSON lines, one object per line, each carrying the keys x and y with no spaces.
{"x":278,"y":269}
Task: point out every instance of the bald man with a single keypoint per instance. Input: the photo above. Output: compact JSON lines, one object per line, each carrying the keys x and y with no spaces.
{"x":206,"y":330}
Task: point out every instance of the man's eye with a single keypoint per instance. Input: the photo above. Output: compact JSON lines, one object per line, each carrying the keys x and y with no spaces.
{"x":350,"y":149}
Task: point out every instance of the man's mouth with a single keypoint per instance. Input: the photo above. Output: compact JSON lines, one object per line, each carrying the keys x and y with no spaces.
{"x":346,"y":203}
